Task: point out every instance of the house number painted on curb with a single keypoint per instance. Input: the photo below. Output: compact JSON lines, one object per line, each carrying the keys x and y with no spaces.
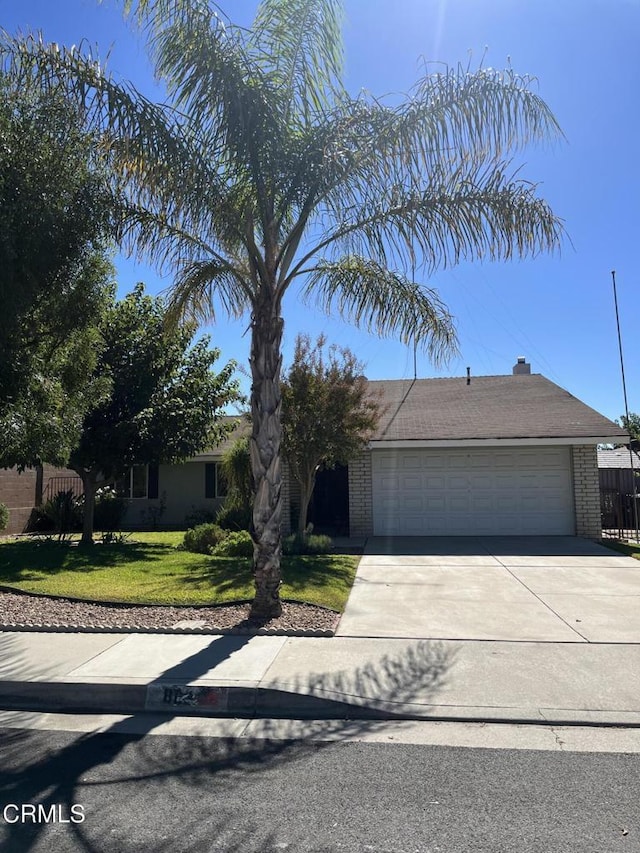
{"x":165,"y":696}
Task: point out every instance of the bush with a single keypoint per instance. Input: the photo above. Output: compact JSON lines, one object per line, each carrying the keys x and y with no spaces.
{"x":234,"y":518}
{"x":198,"y":516}
{"x":64,"y":512}
{"x":307,"y":544}
{"x":4,"y":517}
{"x":238,"y":544}
{"x":39,"y":521}
{"x":203,"y":538}
{"x":109,"y":510}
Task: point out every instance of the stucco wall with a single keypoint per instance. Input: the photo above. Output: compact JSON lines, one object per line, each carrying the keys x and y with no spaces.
{"x":182,"y":489}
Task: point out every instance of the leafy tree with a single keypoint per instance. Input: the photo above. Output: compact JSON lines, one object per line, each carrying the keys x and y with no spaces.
{"x":164,"y":402}
{"x":262,"y":171}
{"x":632,"y":426}
{"x":57,"y":213}
{"x":327,"y":415}
{"x":236,"y":469}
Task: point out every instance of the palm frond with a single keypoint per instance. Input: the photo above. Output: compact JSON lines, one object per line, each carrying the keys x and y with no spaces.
{"x":200,"y":285}
{"x":383,"y":302}
{"x":301,"y":47}
{"x":476,"y":118}
{"x":461,"y":213}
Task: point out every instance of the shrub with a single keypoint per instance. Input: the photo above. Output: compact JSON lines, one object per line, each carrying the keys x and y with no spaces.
{"x":199,"y":515}
{"x":307,"y":544}
{"x":4,"y":517}
{"x":238,"y":544}
{"x":39,"y":521}
{"x":64,"y":511}
{"x":203,"y":538}
{"x":109,"y":510}
{"x":234,"y":518}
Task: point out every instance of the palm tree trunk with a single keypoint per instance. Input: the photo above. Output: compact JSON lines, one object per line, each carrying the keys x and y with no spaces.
{"x":266,"y":467}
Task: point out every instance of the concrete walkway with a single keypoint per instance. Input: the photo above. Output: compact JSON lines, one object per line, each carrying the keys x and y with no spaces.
{"x":482,"y":633}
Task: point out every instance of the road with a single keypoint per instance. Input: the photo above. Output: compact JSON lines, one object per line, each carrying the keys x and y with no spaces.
{"x":120,"y":791}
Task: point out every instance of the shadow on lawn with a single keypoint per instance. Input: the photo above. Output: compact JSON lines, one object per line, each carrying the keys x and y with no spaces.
{"x":220,"y":573}
{"x":300,"y":574}
{"x":18,"y":559}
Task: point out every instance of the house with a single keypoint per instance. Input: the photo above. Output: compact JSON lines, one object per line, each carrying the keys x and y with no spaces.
{"x":618,"y":472}
{"x":482,"y":455}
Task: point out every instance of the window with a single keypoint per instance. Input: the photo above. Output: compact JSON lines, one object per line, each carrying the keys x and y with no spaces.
{"x":141,"y":481}
{"x":215,"y":485}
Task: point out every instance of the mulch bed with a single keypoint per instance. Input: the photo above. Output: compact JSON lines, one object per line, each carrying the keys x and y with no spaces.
{"x":22,"y":611}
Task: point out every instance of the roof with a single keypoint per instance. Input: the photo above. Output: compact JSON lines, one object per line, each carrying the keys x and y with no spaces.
{"x":240,"y":426}
{"x":489,"y":407}
{"x":619,"y":457}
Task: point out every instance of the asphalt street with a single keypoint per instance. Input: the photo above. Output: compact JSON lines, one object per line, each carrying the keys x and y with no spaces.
{"x":114,"y":792}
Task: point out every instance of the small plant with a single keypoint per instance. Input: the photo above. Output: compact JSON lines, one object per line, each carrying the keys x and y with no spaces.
{"x":64,"y":511}
{"x":234,"y":518}
{"x":239,"y":544}
{"x":307,"y":543}
{"x":203,"y":538}
{"x":152,"y":514}
{"x":111,"y":537}
{"x":4,"y":517}
{"x":109,"y":511}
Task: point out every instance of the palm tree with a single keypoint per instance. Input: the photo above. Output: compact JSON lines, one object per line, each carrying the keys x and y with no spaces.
{"x":262,"y":171}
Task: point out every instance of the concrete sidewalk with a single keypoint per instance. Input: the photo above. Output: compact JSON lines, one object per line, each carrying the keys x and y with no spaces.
{"x":517,"y":629}
{"x":340,"y":677}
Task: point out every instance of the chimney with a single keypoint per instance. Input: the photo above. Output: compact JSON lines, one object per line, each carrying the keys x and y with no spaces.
{"x":521,"y":367}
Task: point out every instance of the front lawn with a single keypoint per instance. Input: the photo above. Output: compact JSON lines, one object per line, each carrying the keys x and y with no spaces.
{"x":149,"y":569}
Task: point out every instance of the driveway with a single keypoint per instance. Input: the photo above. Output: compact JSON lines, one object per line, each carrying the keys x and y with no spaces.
{"x":543,"y":589}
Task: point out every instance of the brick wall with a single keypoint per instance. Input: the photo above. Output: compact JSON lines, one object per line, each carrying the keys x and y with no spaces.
{"x":360,"y":496}
{"x":18,"y":492}
{"x":586,"y":489}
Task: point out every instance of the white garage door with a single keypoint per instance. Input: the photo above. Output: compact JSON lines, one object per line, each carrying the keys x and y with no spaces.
{"x":473,"y":492}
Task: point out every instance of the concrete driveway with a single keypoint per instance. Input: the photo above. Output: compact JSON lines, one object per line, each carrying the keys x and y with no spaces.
{"x":543,"y":589}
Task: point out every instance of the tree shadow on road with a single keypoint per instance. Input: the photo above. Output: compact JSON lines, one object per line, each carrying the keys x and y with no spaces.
{"x":205,"y":778}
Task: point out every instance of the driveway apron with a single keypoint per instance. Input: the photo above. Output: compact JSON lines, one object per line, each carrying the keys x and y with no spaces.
{"x":541,"y":589}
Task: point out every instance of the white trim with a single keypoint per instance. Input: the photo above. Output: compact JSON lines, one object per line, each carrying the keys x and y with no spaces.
{"x":408,"y":444}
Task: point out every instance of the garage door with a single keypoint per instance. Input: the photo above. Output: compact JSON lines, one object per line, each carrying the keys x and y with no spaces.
{"x":473,"y":492}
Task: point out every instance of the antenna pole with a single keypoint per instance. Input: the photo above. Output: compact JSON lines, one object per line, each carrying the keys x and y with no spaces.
{"x":626,"y":404}
{"x":415,"y":342}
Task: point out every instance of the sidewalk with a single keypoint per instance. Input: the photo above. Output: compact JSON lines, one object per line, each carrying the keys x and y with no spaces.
{"x":336,"y":678}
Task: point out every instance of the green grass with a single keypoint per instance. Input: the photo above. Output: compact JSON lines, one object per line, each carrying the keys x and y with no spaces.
{"x":631,"y":549}
{"x":149,"y":569}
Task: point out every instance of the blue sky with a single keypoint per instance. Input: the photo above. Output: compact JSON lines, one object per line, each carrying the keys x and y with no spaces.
{"x":556,"y":311}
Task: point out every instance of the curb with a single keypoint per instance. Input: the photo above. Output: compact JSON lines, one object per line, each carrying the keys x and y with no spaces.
{"x":56,"y":628}
{"x":176,"y":699}
{"x":182,"y":699}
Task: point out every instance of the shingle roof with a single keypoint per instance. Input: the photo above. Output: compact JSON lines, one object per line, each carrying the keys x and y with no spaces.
{"x":240,"y":427}
{"x":617,"y":458}
{"x":511,"y":406}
